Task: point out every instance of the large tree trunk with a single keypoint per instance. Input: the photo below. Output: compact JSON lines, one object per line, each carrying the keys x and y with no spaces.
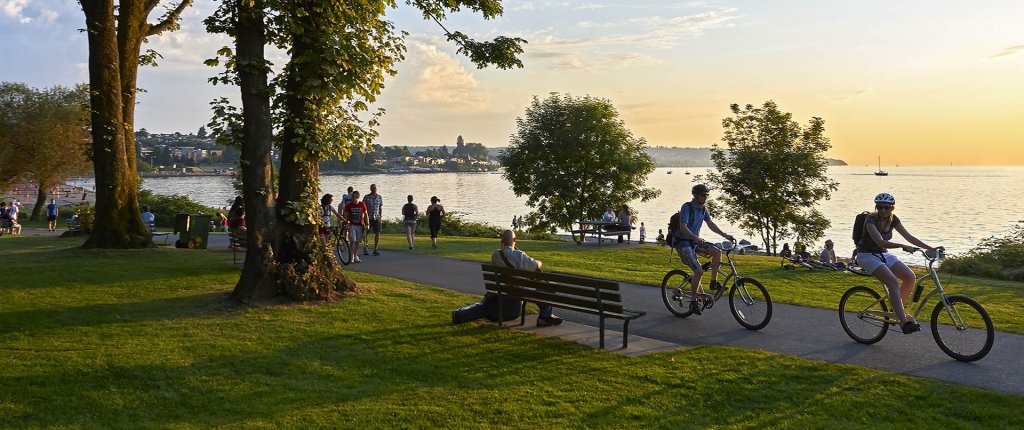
{"x":118,"y":220}
{"x":37,"y":209}
{"x":306,"y":269}
{"x":256,"y":282}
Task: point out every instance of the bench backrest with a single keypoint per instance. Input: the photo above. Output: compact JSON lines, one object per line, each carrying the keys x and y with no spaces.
{"x":573,"y":290}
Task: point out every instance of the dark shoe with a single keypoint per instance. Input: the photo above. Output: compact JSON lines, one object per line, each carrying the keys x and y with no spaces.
{"x":910,"y":327}
{"x":375,"y":252}
{"x":715,"y":286}
{"x":548,"y":321}
{"x":696,"y":308}
{"x":366,"y":251}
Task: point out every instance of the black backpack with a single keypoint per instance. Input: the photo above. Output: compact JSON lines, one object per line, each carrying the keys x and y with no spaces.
{"x":858,"y":227}
{"x":673,"y":227}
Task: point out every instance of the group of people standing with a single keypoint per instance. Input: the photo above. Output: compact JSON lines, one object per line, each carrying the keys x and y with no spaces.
{"x":363,"y":217}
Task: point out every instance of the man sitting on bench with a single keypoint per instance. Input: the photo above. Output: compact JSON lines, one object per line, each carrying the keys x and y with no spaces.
{"x":509,"y":256}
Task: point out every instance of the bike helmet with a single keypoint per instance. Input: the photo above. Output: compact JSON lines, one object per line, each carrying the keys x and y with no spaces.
{"x":885,"y":198}
{"x":699,"y":189}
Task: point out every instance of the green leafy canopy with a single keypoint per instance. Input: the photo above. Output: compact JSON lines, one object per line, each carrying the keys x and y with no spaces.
{"x":573,"y":157}
{"x":772,"y":173}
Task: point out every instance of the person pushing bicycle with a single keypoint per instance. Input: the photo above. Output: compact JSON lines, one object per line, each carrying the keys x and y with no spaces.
{"x":692,"y":215}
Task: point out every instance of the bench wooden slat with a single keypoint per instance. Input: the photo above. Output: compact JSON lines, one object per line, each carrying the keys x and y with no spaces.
{"x":554,"y":277}
{"x":576,"y":293}
{"x":547,"y":296}
{"x":575,"y":290}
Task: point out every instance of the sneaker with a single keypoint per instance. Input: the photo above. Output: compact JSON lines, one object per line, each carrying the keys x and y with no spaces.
{"x":375,"y":252}
{"x":696,"y":308}
{"x":356,"y":259}
{"x":366,"y":251}
{"x":410,"y":246}
{"x":715,"y":286}
{"x":433,"y":246}
{"x":548,"y":321}
{"x":910,"y":327}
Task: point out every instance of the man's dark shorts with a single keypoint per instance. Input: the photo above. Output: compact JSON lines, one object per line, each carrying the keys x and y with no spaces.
{"x":51,"y":218}
{"x":375,"y":225}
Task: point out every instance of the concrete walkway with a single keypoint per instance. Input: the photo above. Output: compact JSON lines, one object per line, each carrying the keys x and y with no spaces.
{"x":795,"y":330}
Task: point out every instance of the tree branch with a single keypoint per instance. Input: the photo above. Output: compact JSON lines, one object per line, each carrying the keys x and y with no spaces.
{"x":170,"y":20}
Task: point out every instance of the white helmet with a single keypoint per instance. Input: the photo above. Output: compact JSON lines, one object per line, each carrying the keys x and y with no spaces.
{"x":885,"y":198}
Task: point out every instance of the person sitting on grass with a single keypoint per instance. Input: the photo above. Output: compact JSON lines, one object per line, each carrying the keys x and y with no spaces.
{"x":509,"y":256}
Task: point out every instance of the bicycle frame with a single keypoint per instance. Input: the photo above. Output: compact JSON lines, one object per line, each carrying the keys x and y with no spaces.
{"x":931,"y":273}
{"x":730,"y":277}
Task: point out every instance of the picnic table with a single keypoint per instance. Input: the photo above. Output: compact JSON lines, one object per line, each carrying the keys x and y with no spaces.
{"x":598,"y":228}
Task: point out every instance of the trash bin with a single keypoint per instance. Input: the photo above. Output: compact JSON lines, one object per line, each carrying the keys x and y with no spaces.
{"x":199,"y":231}
{"x":181,"y":224}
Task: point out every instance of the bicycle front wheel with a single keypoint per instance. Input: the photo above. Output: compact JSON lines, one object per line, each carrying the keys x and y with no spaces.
{"x":964,"y":330}
{"x":750,"y":303}
{"x":863,"y":314}
{"x":675,"y":292}
{"x":342,"y":252}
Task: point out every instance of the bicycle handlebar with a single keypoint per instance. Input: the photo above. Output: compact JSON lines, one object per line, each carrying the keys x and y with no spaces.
{"x":937,"y":253}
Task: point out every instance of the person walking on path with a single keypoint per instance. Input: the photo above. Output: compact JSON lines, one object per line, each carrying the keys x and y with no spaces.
{"x":409,"y":214}
{"x":509,"y":256}
{"x":374,"y":208}
{"x":355,"y":214}
{"x":51,"y":215}
{"x":434,"y":214}
{"x":874,"y":258}
{"x":692,"y":215}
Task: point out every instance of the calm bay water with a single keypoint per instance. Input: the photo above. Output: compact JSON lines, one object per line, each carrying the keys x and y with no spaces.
{"x":950,"y":206}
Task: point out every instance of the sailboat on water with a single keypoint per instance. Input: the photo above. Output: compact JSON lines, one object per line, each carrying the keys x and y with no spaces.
{"x":881,"y":172}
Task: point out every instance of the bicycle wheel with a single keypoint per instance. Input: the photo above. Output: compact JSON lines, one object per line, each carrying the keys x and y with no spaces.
{"x":675,"y":291}
{"x":342,"y":252}
{"x":965,"y":332}
{"x":862,"y":314}
{"x":750,"y":303}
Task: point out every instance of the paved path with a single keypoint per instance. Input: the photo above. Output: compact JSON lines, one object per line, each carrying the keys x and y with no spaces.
{"x":795,"y":330}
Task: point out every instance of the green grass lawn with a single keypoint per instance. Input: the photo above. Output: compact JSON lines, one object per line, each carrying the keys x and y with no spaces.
{"x":647,"y":265}
{"x":144,"y":338}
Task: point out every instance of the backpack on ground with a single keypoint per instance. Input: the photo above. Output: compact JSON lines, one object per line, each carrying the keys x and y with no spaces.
{"x":858,"y":227}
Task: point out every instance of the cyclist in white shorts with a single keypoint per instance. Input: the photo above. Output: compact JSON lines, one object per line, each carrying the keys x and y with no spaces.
{"x":873,"y":257}
{"x":692,"y":215}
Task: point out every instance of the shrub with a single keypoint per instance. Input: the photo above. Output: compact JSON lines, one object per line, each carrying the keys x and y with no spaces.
{"x":995,"y":257}
{"x":164,"y":207}
{"x":86,"y":218}
{"x":455,"y":224}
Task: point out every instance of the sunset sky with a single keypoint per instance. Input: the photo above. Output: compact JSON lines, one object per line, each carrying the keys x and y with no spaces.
{"x":915,"y":82}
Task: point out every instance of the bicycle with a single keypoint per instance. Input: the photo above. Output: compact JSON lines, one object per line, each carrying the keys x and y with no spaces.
{"x":749,"y":300}
{"x":338,"y":242}
{"x":956,"y":321}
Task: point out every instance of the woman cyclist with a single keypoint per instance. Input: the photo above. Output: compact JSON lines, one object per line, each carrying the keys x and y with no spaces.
{"x":873,"y":257}
{"x":326,"y":210}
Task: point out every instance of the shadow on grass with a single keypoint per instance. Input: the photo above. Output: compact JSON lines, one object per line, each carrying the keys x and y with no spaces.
{"x":34,"y":321}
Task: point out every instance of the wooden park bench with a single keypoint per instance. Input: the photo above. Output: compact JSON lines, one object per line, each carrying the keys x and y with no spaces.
{"x":237,"y":240}
{"x":598,"y":229}
{"x":576,"y":293}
